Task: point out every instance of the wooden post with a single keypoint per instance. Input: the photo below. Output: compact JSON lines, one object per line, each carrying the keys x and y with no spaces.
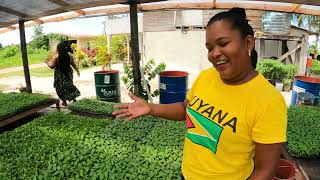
{"x":128,"y":48}
{"x":135,"y":48}
{"x":262,"y":48}
{"x":24,"y":54}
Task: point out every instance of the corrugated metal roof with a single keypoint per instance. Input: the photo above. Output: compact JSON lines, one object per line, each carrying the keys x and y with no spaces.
{"x":11,"y":11}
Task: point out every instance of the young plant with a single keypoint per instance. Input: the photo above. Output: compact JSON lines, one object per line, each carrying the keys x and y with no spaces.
{"x":303,"y":131}
{"x":151,"y":70}
{"x":12,"y":103}
{"x":92,"y":106}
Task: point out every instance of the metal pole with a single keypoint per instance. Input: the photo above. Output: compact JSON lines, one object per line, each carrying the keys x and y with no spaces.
{"x":24,"y":54}
{"x":135,"y":48}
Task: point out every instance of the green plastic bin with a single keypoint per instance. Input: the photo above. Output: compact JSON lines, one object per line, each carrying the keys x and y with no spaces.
{"x":107,"y":85}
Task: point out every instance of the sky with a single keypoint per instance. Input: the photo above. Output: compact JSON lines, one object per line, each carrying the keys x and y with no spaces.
{"x":79,"y":26}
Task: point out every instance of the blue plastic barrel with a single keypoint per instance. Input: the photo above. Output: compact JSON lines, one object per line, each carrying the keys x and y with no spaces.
{"x":305,"y":84}
{"x":173,"y":86}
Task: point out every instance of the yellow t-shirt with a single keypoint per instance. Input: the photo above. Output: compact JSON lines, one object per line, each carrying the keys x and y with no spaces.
{"x":225,"y":121}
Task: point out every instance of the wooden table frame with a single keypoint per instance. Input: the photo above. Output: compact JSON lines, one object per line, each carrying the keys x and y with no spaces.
{"x":28,"y":112}
{"x":301,"y":174}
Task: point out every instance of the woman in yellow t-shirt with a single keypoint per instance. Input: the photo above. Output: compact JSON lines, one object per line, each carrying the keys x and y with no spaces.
{"x":236,"y":120}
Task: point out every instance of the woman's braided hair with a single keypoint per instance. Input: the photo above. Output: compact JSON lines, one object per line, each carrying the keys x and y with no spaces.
{"x":237,"y":16}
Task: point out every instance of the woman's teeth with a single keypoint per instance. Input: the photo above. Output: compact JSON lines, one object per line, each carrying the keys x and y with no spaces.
{"x":221,"y":62}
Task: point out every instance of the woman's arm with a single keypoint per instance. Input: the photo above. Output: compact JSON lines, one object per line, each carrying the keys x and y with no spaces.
{"x":52,"y":63}
{"x":73,"y":64}
{"x":140,"y":107}
{"x":266,"y":161}
{"x":175,"y":111}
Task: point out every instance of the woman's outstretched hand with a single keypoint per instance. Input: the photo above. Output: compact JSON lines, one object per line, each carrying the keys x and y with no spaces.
{"x":132,"y":110}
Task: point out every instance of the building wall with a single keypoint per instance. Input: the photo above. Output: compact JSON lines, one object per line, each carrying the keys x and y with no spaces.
{"x":301,"y":57}
{"x":274,"y":48}
{"x":158,"y":21}
{"x":183,"y":52}
{"x":169,"y":20}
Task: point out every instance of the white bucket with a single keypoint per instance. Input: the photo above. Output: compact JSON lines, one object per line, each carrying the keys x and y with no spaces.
{"x":279,"y":86}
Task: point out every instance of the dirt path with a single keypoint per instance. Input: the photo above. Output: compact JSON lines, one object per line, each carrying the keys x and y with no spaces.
{"x":20,"y":68}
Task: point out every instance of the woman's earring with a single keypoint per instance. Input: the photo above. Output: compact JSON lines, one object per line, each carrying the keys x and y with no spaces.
{"x":249,"y":52}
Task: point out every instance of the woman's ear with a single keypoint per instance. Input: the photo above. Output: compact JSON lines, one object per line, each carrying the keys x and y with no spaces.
{"x":250,"y":42}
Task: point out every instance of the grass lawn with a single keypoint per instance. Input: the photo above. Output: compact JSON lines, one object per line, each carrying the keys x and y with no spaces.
{"x":16,"y":60}
{"x":36,"y":72}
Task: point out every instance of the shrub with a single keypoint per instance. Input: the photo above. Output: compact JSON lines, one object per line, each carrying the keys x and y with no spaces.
{"x":9,"y":51}
{"x":80,"y":56}
{"x":100,"y":43}
{"x":274,"y":69}
{"x":118,"y":48}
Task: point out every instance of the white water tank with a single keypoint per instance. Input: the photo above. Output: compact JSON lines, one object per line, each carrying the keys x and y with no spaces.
{"x":276,"y":22}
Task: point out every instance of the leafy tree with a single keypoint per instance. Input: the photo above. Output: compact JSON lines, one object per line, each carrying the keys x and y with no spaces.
{"x":1,"y":46}
{"x":310,"y":22}
{"x":39,"y":39}
{"x":59,"y":37}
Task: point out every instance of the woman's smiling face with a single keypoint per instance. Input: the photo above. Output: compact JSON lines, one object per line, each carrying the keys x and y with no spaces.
{"x":228,"y":50}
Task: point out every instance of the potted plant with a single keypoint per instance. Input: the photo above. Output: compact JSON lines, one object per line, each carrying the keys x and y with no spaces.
{"x":150,"y":71}
{"x":273,"y":70}
{"x":290,"y":70}
{"x":287,"y":84}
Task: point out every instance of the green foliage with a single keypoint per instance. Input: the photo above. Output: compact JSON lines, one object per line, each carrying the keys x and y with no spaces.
{"x":80,"y":56}
{"x":12,"y":103}
{"x":61,"y":146}
{"x":1,"y":46}
{"x":313,"y":49}
{"x":118,"y":46}
{"x":41,"y":42}
{"x":312,"y":23}
{"x":290,"y":71}
{"x":9,"y":51}
{"x":93,"y":106}
{"x":37,"y":57}
{"x":275,"y":70}
{"x":303,"y":131}
{"x":315,"y":69}
{"x":58,"y":37}
{"x":103,"y":57}
{"x":151,"y":70}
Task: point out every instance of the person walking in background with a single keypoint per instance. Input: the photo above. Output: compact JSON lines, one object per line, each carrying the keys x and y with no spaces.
{"x":236,"y":120}
{"x":63,"y":74}
{"x":308,"y":66}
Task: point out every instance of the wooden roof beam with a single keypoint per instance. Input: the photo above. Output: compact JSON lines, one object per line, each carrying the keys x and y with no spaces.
{"x":80,"y":12}
{"x":11,"y":27}
{"x":214,"y":4}
{"x":65,"y":4}
{"x":37,"y":21}
{"x":13,"y":12}
{"x":295,"y":7}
